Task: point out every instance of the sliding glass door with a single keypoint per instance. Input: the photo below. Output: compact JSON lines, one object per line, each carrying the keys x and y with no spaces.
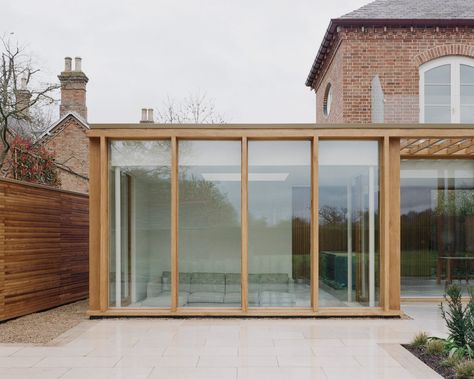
{"x":209,"y":223}
{"x":348,"y":223}
{"x":279,"y":195}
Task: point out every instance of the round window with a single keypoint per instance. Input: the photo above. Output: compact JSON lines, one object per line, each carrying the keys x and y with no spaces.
{"x":327,"y":100}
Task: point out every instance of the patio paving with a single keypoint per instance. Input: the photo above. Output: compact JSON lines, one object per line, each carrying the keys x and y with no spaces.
{"x":229,"y":348}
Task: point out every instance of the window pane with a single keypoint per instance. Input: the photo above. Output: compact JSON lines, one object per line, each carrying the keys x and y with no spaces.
{"x":209,"y":223}
{"x":348,"y":223}
{"x":140,"y":209}
{"x":439,"y":75}
{"x":467,"y":74}
{"x":467,"y":94}
{"x":438,"y":95}
{"x":437,"y":114}
{"x":279,"y":223}
{"x":437,"y":225}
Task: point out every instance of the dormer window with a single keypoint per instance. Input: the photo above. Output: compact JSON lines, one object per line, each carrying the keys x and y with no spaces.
{"x":447,"y":90}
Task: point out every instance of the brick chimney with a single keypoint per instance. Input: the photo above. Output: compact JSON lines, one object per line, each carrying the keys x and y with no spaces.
{"x":22,"y":99}
{"x":147,"y":116}
{"x":73,"y":89}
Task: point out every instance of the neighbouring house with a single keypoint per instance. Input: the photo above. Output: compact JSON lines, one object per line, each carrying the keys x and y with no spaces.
{"x":397,"y":61}
{"x":302,"y":220}
{"x":66,"y":139}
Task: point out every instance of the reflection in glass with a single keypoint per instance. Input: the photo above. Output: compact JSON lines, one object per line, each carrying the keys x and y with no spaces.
{"x":140,"y":209}
{"x":279,"y":196}
{"x":437,"y":225}
{"x":209,"y":223}
{"x":438,"y":94}
{"x":348,"y":223}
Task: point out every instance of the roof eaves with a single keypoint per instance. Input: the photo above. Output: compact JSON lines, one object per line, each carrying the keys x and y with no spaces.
{"x":55,"y":124}
{"x":334,"y":23}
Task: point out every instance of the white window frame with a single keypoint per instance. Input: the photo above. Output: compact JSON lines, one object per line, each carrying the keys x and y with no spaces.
{"x":455,"y":63}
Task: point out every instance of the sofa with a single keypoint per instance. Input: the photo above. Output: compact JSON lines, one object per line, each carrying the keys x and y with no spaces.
{"x":271,"y":289}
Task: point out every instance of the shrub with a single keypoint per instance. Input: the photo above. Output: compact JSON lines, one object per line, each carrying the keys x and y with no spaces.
{"x":451,"y":361}
{"x":435,"y":346}
{"x":419,"y":340}
{"x":465,"y":370}
{"x":456,"y":315}
{"x":32,"y":163}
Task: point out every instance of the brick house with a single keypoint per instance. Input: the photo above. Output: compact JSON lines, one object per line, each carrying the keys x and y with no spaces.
{"x":66,"y":138}
{"x":397,"y":61}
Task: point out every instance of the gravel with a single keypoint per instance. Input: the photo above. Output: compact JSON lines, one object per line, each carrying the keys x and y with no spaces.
{"x":42,"y":327}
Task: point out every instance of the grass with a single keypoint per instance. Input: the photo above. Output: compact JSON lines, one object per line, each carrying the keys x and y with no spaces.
{"x":465,"y":370}
{"x":435,"y":347}
{"x":420,"y":340}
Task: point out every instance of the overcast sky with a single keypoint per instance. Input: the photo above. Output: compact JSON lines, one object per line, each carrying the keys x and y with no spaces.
{"x":251,"y":57}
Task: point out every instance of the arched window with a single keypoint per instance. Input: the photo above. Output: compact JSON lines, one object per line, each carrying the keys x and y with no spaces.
{"x":447,"y":90}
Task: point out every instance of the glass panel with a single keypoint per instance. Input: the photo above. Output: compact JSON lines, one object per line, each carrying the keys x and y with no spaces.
{"x":348,"y":223}
{"x":140,"y":211}
{"x":279,"y":223}
{"x":438,"y":95}
{"x":437,"y":225}
{"x":209,"y":223}
{"x":467,"y":94}
{"x":437,"y":114}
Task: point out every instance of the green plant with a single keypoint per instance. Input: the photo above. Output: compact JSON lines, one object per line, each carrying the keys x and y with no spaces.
{"x":454,"y":350}
{"x":435,"y":346}
{"x":465,"y":369}
{"x":456,"y":315}
{"x":419,"y":340}
{"x":450,"y":361}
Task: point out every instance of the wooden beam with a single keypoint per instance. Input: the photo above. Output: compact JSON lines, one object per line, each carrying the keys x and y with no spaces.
{"x":422,"y":145}
{"x":442,"y":145}
{"x":394,"y":224}
{"x":406,"y":142}
{"x":314,"y":225}
{"x":244,"y":225}
{"x":174,"y":226}
{"x":104,"y":225}
{"x":459,"y":146}
{"x":94,"y":223}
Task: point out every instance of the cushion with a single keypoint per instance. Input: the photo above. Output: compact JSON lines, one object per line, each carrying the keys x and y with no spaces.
{"x":232,"y":284}
{"x":274,"y":282}
{"x":277,"y":299}
{"x":208,"y":282}
{"x":184,"y":281}
{"x":206,"y":297}
{"x":164,"y":300}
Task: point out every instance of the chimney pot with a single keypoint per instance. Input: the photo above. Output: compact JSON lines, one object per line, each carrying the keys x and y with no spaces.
{"x":77,"y":64}
{"x":23,"y":84}
{"x":144,"y":115}
{"x":150,"y":115}
{"x":67,"y":64}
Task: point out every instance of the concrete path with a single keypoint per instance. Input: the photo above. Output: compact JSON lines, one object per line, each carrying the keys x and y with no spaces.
{"x":233,"y":348}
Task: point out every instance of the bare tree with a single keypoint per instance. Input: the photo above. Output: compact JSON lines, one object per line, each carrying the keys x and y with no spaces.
{"x":194,"y":109}
{"x":22,"y":95}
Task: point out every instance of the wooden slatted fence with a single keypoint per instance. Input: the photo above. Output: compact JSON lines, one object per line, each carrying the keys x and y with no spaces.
{"x":44,"y":243}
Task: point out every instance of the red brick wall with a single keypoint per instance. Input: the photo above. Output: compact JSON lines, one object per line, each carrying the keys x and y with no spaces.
{"x":70,"y":146}
{"x":394,"y":54}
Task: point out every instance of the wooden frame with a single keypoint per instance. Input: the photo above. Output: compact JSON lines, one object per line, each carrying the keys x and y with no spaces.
{"x":395,"y":142}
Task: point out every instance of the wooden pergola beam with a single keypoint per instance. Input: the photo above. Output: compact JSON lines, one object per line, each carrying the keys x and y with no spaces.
{"x":422,"y":146}
{"x":459,"y":146}
{"x":443,"y":145}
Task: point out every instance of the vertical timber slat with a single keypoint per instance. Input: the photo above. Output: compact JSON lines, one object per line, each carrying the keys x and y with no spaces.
{"x":385,"y":226}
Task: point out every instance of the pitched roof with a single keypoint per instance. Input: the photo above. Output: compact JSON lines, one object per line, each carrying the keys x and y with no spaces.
{"x":414,"y":9}
{"x":400,"y":13}
{"x":59,"y":122}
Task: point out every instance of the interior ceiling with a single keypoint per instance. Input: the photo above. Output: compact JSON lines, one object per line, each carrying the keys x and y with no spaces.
{"x":437,"y":147}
